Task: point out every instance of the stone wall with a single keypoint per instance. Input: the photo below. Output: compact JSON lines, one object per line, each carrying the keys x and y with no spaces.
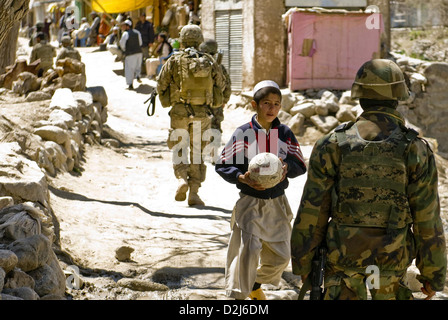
{"x":39,"y":139}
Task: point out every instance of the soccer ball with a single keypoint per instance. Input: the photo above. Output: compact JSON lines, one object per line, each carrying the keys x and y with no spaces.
{"x":266,"y":169}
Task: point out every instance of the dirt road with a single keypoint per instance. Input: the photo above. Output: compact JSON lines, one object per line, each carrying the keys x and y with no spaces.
{"x":125,"y":197}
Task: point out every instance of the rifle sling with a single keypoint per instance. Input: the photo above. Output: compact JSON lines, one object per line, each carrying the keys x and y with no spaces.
{"x":153,"y":104}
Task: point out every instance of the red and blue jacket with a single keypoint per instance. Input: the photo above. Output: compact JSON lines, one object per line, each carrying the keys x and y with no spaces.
{"x":251,"y":139}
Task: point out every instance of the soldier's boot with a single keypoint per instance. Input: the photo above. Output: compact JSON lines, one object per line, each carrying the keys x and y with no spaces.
{"x":182,"y":188}
{"x":193,"y":197}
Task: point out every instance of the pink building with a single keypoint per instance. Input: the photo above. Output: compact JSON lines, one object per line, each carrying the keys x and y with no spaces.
{"x":326,"y":48}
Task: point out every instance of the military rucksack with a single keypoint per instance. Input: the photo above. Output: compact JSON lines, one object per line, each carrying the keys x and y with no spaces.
{"x":372,"y":179}
{"x":196,"y":81}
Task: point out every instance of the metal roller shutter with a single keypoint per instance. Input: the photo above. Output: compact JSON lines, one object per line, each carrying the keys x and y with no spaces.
{"x":229,"y":36}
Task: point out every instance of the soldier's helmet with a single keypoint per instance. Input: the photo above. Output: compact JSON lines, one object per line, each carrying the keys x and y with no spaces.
{"x":191,"y":36}
{"x":380,"y":79}
{"x":66,"y":40}
{"x":209,"y":46}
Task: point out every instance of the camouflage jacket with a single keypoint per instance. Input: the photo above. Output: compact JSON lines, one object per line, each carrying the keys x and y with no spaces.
{"x":69,"y":52}
{"x":45,"y":52}
{"x":354,"y":247}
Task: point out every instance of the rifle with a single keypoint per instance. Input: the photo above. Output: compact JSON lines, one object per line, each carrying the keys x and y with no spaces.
{"x":315,"y":279}
{"x":151,"y":98}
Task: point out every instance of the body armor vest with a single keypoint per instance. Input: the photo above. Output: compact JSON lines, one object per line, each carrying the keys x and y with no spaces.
{"x":372,"y":180}
{"x":196,"y":82}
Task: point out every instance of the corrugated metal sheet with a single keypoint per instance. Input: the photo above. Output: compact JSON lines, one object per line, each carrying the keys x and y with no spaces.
{"x":229,"y":36}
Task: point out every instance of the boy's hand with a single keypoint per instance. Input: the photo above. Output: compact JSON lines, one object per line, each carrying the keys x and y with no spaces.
{"x":244,"y":178}
{"x":285,"y":169}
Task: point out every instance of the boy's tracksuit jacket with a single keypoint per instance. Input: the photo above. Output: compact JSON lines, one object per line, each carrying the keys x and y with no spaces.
{"x":251,"y":139}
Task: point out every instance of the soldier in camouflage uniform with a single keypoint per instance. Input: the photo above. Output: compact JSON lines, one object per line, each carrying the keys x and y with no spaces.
{"x":210,"y":46}
{"x":67,"y":50}
{"x":371,"y":198}
{"x":43,"y":51}
{"x":191,"y":83}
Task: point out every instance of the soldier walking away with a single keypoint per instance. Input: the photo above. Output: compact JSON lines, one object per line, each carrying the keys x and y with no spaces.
{"x":210,"y":46}
{"x":130,"y":43}
{"x":191,"y":83}
{"x":377,"y":181}
{"x":43,"y":51}
{"x":67,"y":50}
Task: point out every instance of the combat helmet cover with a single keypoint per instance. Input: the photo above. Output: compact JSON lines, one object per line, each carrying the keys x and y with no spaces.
{"x":191,"y":36}
{"x":380,"y":79}
{"x":209,"y":46}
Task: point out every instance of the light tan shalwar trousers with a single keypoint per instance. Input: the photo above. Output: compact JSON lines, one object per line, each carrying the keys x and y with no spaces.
{"x":259,"y":246}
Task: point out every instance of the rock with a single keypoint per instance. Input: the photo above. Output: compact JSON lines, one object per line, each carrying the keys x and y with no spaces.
{"x":15,"y":226}
{"x":4,"y":296}
{"x":330,"y":101}
{"x":346,"y":98}
{"x":141,"y":285}
{"x":296,"y":123}
{"x":38,"y":96}
{"x":13,"y":72}
{"x":61,"y":119}
{"x":76,"y":82}
{"x":50,"y":279}
{"x":26,"y":82}
{"x":32,"y":252}
{"x":63,"y":98}
{"x":98,"y":94}
{"x":21,"y":178}
{"x":52,"y":297}
{"x":2,"y":278}
{"x":8,"y":261}
{"x":18,"y":278}
{"x":52,"y":133}
{"x":123,"y":253}
{"x":283,"y":116}
{"x":24,"y":293}
{"x":321,"y":108}
{"x":324,"y":124}
{"x":437,"y":82}
{"x":306,"y":108}
{"x":417,"y":77}
{"x":345,"y":113}
{"x":6,"y":202}
{"x":288,"y":100}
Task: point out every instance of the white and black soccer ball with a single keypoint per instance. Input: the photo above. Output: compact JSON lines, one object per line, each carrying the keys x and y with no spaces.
{"x":266,"y":169}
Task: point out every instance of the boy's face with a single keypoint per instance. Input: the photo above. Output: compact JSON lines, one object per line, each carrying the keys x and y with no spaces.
{"x":268,"y":108}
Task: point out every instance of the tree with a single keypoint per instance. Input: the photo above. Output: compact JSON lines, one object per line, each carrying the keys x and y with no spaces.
{"x":11,"y":13}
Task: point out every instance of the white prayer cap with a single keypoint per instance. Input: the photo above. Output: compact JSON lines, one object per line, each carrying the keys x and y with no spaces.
{"x":128,"y":22}
{"x":264,"y":84}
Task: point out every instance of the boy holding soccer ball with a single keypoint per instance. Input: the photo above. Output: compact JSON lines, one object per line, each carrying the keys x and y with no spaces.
{"x":259,"y":245}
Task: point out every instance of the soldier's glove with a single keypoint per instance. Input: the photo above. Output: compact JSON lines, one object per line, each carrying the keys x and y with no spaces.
{"x":426,"y":289}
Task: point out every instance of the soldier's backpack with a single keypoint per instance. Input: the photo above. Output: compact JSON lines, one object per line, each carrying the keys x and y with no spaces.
{"x":196,"y":82}
{"x":372,"y":180}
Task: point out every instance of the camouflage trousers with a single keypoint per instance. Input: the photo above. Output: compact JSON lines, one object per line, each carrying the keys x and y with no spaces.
{"x":185,"y":141}
{"x":343,"y":284}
